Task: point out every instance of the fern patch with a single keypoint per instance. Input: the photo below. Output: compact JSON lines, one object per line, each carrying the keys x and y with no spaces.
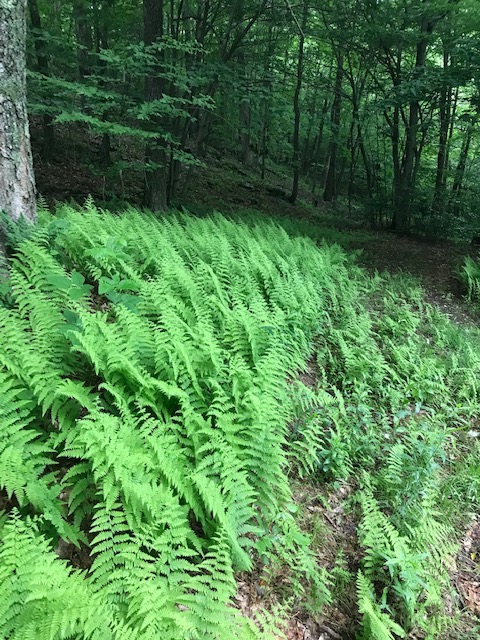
{"x":144,"y":405}
{"x":152,"y":419}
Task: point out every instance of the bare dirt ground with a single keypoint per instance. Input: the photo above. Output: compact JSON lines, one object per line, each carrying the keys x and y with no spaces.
{"x":436,"y":264}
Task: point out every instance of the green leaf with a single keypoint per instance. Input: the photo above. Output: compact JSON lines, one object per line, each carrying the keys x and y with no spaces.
{"x":77,"y":278}
{"x":127,"y":285}
{"x":60,"y":282}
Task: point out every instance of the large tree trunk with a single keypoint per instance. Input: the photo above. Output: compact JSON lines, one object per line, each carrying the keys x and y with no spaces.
{"x":156,"y":152}
{"x":17,"y":185}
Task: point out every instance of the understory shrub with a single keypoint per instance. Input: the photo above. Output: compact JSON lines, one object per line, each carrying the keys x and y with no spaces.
{"x":470,"y":274}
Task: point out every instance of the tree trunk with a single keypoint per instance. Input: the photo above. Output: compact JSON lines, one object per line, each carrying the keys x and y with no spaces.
{"x":330,"y":191}
{"x":244,"y":111}
{"x":406,"y":186}
{"x":419,"y":152}
{"x":460,"y":171}
{"x":101,"y":42}
{"x":156,"y":178}
{"x":233,"y":37}
{"x":318,"y":146}
{"x":309,"y":144}
{"x":84,"y":37}
{"x":352,"y":143}
{"x":444,"y":108}
{"x":267,"y":87}
{"x":395,"y":129}
{"x":296,"y":106}
{"x":42,"y":67}
{"x":17,"y":185}
{"x":450,"y":134}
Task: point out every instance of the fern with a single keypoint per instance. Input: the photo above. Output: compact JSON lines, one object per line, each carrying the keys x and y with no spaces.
{"x":377,"y":625}
{"x":143,"y":377}
{"x":148,"y":414}
{"x":408,"y":565}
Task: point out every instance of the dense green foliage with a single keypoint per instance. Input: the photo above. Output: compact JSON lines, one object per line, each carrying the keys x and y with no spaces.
{"x":470,"y":274}
{"x":168,"y":383}
{"x":397,"y":392}
{"x":147,"y":417}
{"x":365,"y":101}
{"x":144,"y":412}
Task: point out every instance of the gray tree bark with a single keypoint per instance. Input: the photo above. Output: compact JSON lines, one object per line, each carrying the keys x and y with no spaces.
{"x":17,"y":185}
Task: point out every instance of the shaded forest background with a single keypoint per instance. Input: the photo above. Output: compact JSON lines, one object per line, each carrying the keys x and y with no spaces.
{"x":370,"y":103}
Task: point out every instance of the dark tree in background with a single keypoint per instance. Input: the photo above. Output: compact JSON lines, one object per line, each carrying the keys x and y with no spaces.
{"x":296,"y":101}
{"x":156,"y":151}
{"x":42,"y":67}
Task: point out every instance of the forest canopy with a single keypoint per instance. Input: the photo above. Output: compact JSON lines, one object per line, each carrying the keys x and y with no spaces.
{"x":367,"y":101}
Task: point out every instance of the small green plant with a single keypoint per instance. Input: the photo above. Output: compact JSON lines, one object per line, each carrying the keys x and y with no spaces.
{"x":397,"y":378}
{"x":400,"y":565}
{"x":470,"y":273}
{"x":285,"y":547}
{"x":340,"y":575}
{"x":376,"y":623}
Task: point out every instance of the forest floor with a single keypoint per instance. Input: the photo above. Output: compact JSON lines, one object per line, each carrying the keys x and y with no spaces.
{"x":435,"y":263}
{"x":228,"y":187}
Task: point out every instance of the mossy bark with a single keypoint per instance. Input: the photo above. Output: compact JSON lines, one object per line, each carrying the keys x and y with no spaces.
{"x":17,"y":185}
